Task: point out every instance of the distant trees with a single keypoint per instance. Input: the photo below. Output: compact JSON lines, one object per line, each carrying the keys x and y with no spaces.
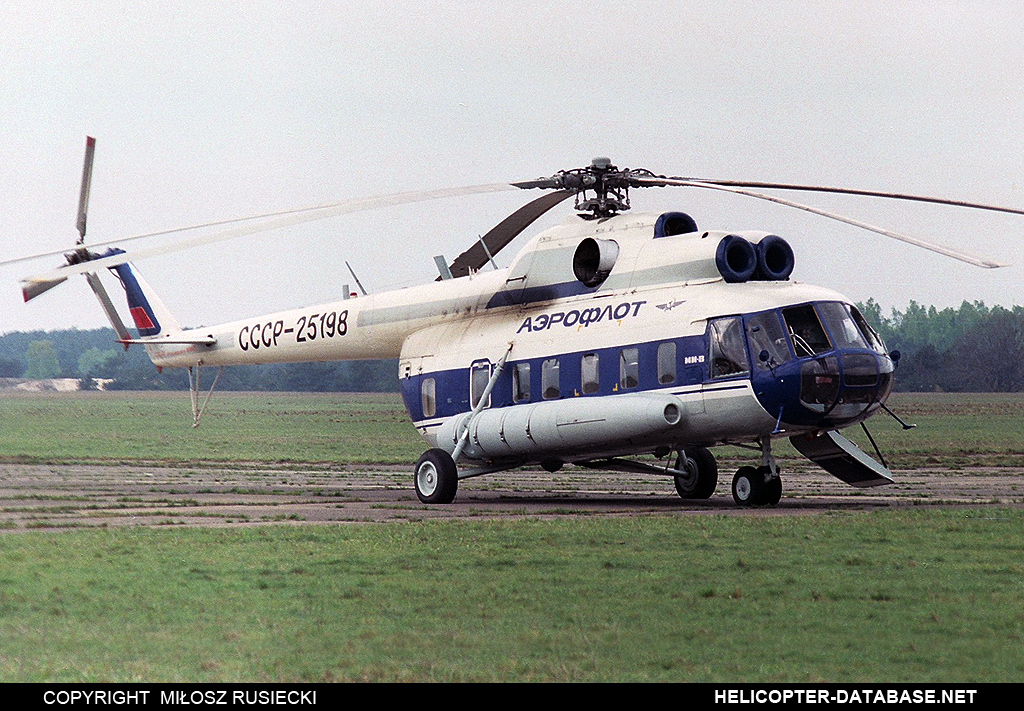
{"x":93,"y":354}
{"x":974,"y":348}
{"x":41,"y":361}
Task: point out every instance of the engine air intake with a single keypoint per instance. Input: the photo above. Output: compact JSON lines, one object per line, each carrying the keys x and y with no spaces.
{"x":736,"y":259}
{"x":594,"y":259}
{"x":774,"y":259}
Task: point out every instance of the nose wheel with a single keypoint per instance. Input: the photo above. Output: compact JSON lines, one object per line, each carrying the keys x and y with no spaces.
{"x":756,"y":486}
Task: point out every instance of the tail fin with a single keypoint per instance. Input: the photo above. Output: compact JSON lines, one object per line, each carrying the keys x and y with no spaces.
{"x":151,"y":316}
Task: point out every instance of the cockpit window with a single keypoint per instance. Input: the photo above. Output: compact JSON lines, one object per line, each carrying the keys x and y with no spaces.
{"x":874,"y":340}
{"x":805,"y":331}
{"x":728,"y":349}
{"x":767,"y":340}
{"x":841,"y":325}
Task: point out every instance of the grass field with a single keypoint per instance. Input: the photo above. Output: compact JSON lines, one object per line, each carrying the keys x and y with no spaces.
{"x":953,"y":429}
{"x":908,"y":594}
{"x":237,"y":427}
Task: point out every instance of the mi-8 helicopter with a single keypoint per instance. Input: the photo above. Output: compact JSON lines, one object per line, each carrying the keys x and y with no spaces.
{"x":611,"y":336}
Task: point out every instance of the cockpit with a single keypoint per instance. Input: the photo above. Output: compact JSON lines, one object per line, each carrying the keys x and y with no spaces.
{"x":817,"y":364}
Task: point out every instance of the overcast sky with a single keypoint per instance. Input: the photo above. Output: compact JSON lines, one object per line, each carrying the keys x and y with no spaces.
{"x":212,"y":110}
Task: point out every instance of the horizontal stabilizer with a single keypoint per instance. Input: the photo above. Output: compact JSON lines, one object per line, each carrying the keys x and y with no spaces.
{"x":207,"y":341}
{"x":842,"y":459}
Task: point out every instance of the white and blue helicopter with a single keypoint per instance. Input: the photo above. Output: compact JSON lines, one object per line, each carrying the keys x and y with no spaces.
{"x":611,"y":336}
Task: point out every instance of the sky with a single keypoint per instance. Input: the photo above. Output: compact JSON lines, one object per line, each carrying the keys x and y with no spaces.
{"x":216,"y":110}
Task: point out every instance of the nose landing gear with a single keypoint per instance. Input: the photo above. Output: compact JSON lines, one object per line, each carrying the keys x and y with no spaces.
{"x":758,"y":486}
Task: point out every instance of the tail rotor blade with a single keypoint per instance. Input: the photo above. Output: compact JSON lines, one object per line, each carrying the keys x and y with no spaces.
{"x":108,"y":307}
{"x":83,"y":196}
{"x":35,"y":287}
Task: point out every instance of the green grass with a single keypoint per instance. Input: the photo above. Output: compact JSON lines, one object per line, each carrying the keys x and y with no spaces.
{"x":912,"y":595}
{"x":953,"y":429}
{"x":265,"y":427}
{"x":909,"y":595}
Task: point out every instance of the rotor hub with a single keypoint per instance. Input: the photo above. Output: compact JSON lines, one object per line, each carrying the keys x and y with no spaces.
{"x":602,"y":189}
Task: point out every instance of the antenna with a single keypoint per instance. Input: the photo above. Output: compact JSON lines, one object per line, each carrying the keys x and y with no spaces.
{"x":358,"y":283}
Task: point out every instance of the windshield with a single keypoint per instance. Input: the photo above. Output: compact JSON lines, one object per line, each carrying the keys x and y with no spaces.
{"x":844,"y":331}
{"x":812,"y":329}
{"x":805,"y":331}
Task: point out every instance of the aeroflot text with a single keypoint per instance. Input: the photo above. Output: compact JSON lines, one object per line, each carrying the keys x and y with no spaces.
{"x":581,"y":317}
{"x":845,"y":696}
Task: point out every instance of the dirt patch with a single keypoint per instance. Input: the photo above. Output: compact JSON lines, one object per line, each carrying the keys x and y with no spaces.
{"x":36,"y":497}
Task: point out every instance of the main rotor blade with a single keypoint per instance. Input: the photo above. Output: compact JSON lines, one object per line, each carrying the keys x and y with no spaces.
{"x":83,"y":196}
{"x":477,"y":256}
{"x":931,"y":246}
{"x":658,"y":181}
{"x":290,"y":218}
{"x":164,"y":233}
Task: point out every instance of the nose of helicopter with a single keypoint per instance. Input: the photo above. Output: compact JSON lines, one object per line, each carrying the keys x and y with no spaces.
{"x":830,"y":390}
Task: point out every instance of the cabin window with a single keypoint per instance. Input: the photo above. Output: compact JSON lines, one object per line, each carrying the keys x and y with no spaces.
{"x":629,"y":368}
{"x":549,"y":379}
{"x":728,"y":349}
{"x":428,"y":398}
{"x":767,"y":340}
{"x":667,"y":362}
{"x":805,"y":331}
{"x":521,"y":382}
{"x":480,"y":374}
{"x":589,"y":377}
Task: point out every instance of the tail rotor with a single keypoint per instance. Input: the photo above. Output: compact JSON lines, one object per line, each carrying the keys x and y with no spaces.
{"x":81,"y":254}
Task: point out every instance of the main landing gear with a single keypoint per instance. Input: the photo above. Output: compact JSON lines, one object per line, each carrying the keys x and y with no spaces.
{"x":699,"y":473}
{"x":437,"y":478}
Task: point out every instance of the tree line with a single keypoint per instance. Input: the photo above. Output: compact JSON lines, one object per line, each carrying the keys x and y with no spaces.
{"x":974,"y":348}
{"x":92,"y":357}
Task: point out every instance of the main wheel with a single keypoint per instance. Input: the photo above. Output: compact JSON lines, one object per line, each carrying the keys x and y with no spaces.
{"x":436,"y":477}
{"x":700,"y":473}
{"x":748,"y":487}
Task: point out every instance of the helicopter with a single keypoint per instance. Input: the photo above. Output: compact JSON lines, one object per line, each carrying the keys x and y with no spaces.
{"x":610,"y":338}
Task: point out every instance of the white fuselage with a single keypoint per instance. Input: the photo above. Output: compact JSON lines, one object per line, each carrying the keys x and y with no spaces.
{"x":537,"y":315}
